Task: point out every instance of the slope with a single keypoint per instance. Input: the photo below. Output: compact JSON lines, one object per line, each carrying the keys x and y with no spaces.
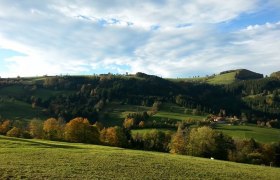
{"x":225,"y":77}
{"x":38,"y":159}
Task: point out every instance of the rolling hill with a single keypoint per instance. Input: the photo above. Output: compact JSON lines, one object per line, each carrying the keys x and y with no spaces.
{"x":40,"y":159}
{"x":225,"y":77}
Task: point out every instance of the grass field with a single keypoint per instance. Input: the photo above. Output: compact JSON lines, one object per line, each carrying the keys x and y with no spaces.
{"x":265,"y":135}
{"x":19,"y":91}
{"x":226,"y":78}
{"x":13,"y":91}
{"x":223,"y":78}
{"x":15,"y":109}
{"x":143,"y":131}
{"x":115,"y":113}
{"x":176,"y":116}
{"x":39,"y":159}
{"x":18,"y":110}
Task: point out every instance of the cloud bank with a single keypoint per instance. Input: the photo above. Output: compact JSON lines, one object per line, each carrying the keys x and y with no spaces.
{"x":170,"y":38}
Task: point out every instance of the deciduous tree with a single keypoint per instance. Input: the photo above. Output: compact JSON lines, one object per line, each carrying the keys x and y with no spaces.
{"x":36,"y":128}
{"x":80,"y":130}
{"x":53,"y":129}
{"x":114,"y":136}
{"x":5,"y":127}
{"x":14,"y":132}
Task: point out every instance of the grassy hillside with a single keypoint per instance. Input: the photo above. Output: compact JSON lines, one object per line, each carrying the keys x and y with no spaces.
{"x":38,"y":159}
{"x":11,"y":107}
{"x":265,"y":135}
{"x":226,"y":77}
{"x":18,"y":110}
{"x":223,"y":78}
{"x":115,"y":113}
{"x":18,"y":91}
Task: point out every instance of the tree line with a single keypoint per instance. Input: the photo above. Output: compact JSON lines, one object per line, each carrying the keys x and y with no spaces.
{"x":200,"y":142}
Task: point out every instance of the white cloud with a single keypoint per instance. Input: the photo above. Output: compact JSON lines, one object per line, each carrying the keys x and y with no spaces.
{"x":147,"y":13}
{"x":198,"y":49}
{"x":93,"y":36}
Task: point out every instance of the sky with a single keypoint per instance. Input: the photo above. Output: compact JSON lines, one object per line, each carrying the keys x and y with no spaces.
{"x":168,"y":38}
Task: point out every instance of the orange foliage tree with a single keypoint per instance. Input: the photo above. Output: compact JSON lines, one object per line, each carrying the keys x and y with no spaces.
{"x":5,"y":127}
{"x":114,"y":136}
{"x":128,"y":123}
{"x":53,"y":129}
{"x":80,"y":130}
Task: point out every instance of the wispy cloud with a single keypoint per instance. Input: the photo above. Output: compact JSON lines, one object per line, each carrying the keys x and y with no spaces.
{"x":164,"y":37}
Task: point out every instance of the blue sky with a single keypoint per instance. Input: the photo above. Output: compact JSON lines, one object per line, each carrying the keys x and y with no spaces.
{"x":169,"y":38}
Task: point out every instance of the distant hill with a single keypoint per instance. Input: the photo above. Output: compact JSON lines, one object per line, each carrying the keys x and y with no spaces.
{"x":235,"y":75}
{"x":226,"y":77}
{"x":238,"y":91}
{"x":244,"y":74}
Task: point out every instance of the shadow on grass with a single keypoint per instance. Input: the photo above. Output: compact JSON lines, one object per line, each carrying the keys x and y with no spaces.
{"x":163,"y":119}
{"x":233,"y":129}
{"x":43,"y":144}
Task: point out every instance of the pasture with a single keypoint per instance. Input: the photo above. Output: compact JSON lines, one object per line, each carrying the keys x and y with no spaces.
{"x":40,"y":159}
{"x":260,"y":134}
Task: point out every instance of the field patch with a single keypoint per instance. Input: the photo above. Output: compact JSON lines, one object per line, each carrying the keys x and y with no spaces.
{"x":18,"y":110}
{"x":261,"y":134}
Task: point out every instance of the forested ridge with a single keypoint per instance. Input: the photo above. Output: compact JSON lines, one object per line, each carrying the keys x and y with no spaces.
{"x":257,"y":99}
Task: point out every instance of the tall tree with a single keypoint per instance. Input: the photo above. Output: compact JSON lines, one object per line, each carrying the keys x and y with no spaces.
{"x":205,"y":142}
{"x":178,"y":144}
{"x":53,"y":129}
{"x":5,"y":127}
{"x":114,"y":136}
{"x":80,"y":130}
{"x":36,"y":128}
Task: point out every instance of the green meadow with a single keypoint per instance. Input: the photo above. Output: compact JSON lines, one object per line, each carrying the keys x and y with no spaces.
{"x":40,"y":159}
{"x":115,"y":113}
{"x":261,"y":134}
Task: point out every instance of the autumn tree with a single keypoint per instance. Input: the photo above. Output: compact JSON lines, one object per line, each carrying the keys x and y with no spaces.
{"x":128,"y":123}
{"x":80,"y":130}
{"x":36,"y":128}
{"x":268,"y":153}
{"x":5,"y":127}
{"x":178,"y":144}
{"x":246,"y":151}
{"x":53,"y":129}
{"x":14,"y":132}
{"x":114,"y":136}
{"x":156,"y":107}
{"x":141,"y":124}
